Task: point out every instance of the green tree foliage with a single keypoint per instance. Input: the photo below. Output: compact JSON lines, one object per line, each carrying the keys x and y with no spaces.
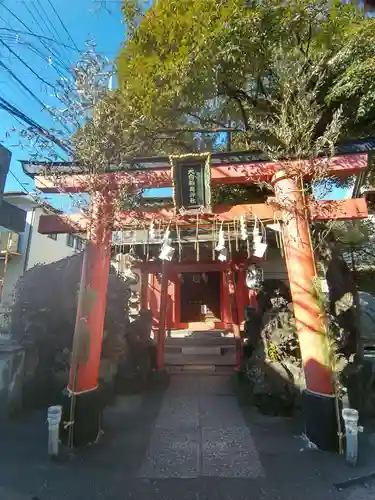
{"x":278,"y":74}
{"x":355,"y":240}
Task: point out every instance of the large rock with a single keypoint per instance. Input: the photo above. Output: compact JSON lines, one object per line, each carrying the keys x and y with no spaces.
{"x":367,"y":316}
{"x":275,"y":369}
{"x":357,"y":376}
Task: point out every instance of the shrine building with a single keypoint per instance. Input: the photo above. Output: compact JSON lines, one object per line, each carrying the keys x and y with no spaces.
{"x":198,"y":252}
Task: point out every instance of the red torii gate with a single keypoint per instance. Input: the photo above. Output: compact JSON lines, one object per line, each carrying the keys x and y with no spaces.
{"x":225,"y":169}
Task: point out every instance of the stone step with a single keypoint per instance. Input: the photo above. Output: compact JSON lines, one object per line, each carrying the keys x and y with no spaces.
{"x":199,"y":334}
{"x":202,"y":360}
{"x":204,"y":341}
{"x":201,"y":350}
{"x":199,"y":369}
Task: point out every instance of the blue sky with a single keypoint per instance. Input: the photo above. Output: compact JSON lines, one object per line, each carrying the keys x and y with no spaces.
{"x":83,"y":19}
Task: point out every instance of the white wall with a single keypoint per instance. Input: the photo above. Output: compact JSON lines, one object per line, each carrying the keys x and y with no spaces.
{"x":35,"y":248}
{"x":12,"y":274}
{"x":44,"y":250}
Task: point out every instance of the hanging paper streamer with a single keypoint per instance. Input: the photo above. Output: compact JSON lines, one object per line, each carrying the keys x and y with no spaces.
{"x":260,"y":250}
{"x":236,"y":226}
{"x":257,"y":240}
{"x":151,"y":232}
{"x":166,"y":237}
{"x":220,"y":247}
{"x":221,"y":240}
{"x":166,"y":251}
{"x":256,"y":231}
{"x":259,"y":234}
{"x":223,"y":255}
{"x":179,"y":242}
{"x":213,"y":238}
{"x":229,"y":242}
{"x":197,"y":239}
{"x":243,"y":228}
{"x":275,"y":227}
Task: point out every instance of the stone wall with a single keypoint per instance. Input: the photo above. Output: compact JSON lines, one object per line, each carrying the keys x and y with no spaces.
{"x":12,"y":359}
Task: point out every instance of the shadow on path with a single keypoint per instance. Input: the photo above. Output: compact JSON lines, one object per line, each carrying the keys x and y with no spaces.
{"x":186,"y":440}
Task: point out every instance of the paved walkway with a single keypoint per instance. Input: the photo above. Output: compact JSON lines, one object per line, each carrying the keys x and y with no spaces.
{"x":188,"y":441}
{"x":200,"y":431}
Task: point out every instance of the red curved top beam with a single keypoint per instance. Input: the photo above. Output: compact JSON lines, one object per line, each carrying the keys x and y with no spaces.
{"x":343,"y":165}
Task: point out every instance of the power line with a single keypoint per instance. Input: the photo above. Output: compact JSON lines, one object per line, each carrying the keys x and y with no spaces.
{"x":39,"y":200}
{"x":32,"y":94}
{"x":39,"y":53}
{"x":6,"y":106}
{"x":23,"y":85}
{"x":56,"y":55}
{"x":37,"y":50}
{"x":40,"y":9}
{"x":25,"y":64}
{"x":62,"y":23}
{"x":22,"y":184}
{"x":41,"y":37}
{"x":39,"y":26}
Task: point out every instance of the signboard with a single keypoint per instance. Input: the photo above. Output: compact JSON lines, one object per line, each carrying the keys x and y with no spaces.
{"x":12,"y":218}
{"x":5,"y":157}
{"x":191,"y":175}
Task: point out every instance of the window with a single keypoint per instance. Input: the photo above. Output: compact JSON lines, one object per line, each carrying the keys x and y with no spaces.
{"x":75,"y":242}
{"x":52,"y":236}
{"x":79,"y":243}
{"x":70,"y":240}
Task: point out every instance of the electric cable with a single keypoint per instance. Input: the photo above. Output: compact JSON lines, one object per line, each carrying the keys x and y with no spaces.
{"x":49,"y":48}
{"x":39,"y":53}
{"x":39,"y":200}
{"x":59,"y":55}
{"x":40,"y":9}
{"x":6,"y":106}
{"x":62,"y":24}
{"x":51,"y":28}
{"x":32,"y":94}
{"x":25,"y":64}
{"x":37,"y":35}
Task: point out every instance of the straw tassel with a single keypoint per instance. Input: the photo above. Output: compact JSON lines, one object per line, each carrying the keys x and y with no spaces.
{"x":197,"y":238}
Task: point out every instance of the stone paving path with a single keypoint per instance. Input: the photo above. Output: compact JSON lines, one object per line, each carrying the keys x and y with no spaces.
{"x":200,"y":431}
{"x":190,"y":440}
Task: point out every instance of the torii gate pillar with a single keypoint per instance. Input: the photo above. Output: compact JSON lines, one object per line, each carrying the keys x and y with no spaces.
{"x":84,"y":409}
{"x":319,"y":403}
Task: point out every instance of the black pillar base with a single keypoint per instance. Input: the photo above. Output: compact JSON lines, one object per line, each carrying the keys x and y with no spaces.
{"x":88,"y":411}
{"x":319,"y":412}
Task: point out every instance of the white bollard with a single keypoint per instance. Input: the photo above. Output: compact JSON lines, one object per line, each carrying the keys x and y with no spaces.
{"x":53,"y":419}
{"x":351,"y":418}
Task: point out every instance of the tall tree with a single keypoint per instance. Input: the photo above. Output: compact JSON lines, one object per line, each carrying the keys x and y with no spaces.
{"x":274,"y":75}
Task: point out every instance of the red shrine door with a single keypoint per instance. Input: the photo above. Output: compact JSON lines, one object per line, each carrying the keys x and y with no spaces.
{"x":198,"y":300}
{"x":200,"y":297}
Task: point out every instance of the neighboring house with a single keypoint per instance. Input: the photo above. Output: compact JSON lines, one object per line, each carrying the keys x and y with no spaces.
{"x":20,"y":252}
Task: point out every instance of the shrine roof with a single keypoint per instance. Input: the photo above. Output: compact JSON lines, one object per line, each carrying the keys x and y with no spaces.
{"x":144,"y":163}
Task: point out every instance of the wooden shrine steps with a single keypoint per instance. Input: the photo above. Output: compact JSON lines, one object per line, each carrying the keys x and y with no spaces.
{"x":210,"y":351}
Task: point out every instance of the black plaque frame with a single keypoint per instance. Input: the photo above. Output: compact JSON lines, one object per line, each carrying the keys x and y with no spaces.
{"x":191,"y":179}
